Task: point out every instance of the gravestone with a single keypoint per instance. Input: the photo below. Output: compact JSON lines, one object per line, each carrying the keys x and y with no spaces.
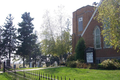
{"x":30,"y":64}
{"x":90,"y":55}
{"x":55,"y":63}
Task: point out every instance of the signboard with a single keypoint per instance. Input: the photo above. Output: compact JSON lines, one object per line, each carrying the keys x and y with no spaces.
{"x":89,"y":57}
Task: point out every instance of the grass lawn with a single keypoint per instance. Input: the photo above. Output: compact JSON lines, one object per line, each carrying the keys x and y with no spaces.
{"x":4,"y":77}
{"x":72,"y":73}
{"x":83,"y":74}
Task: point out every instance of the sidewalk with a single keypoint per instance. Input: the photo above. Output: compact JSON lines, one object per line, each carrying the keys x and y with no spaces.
{"x":39,"y":68}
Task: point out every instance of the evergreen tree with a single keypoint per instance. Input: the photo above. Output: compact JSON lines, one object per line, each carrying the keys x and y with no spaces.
{"x":8,"y":43}
{"x":1,"y":40}
{"x":36,"y":52}
{"x":26,"y":37}
{"x":79,"y":49}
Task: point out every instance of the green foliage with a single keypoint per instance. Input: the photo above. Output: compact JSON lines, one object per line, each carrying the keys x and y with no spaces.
{"x":109,"y":64}
{"x":71,"y":57}
{"x":8,"y":42}
{"x":26,"y":38}
{"x":80,"y":49}
{"x":108,"y":15}
{"x":48,"y":46}
{"x":72,"y":64}
{"x":63,"y":43}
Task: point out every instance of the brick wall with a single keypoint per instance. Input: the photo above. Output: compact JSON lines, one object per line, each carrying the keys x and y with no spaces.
{"x":86,"y":12}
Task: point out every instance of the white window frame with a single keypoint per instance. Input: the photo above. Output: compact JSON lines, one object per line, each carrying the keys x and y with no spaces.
{"x":97,"y":27}
{"x":79,"y":20}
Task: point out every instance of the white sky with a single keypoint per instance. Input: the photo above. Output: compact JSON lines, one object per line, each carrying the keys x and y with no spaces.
{"x":37,"y":8}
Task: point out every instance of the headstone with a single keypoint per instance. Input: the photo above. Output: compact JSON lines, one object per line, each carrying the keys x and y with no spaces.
{"x":63,"y":60}
{"x":30,"y":64}
{"x":14,"y":66}
{"x":55,"y":63}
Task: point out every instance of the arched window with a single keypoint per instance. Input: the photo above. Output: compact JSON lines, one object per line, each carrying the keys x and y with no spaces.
{"x":97,"y":38}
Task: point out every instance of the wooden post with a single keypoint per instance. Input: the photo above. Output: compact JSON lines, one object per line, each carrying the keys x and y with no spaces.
{"x":4,"y":66}
{"x":51,"y":77}
{"x":39,"y":75}
{"x":24,"y":73}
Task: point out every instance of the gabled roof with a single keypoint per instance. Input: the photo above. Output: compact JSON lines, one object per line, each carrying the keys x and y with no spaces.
{"x":91,"y":18}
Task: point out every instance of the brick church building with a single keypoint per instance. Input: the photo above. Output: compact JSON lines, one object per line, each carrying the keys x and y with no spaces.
{"x":91,"y":34}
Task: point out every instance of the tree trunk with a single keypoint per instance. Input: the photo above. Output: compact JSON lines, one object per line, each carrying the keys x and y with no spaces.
{"x":9,"y":58}
{"x":23,"y":63}
{"x":29,"y":60}
{"x":35,"y":62}
{"x":0,"y":62}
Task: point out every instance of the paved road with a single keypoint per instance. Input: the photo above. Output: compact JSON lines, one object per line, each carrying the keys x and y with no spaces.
{"x":36,"y":69}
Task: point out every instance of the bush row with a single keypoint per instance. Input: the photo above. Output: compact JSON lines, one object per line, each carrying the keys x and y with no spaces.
{"x":106,"y":64}
{"x":78,"y":64}
{"x":109,"y":64}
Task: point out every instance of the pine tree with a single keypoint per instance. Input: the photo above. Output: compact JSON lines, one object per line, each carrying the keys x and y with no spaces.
{"x":8,"y":42}
{"x":26,"y":38}
{"x":80,"y":49}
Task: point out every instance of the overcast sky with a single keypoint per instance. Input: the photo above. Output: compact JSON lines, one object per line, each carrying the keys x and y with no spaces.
{"x":37,"y":8}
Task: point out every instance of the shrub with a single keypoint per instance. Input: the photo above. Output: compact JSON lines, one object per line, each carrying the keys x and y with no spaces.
{"x":71,"y":64}
{"x":109,"y":64}
{"x":86,"y":65}
{"x":47,"y":64}
{"x":62,"y":63}
{"x":79,"y":49}
{"x":71,"y":57}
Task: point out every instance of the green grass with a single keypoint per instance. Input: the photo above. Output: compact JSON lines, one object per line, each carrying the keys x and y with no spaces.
{"x":3,"y":76}
{"x":83,"y":74}
{"x":74,"y":73}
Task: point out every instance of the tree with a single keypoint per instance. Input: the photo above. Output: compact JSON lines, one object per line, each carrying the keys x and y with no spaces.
{"x":56,"y":33}
{"x":0,"y":44}
{"x":63,"y":43}
{"x":109,"y":15}
{"x":36,"y":52}
{"x":26,"y":37}
{"x":48,"y":41}
{"x":8,"y":43}
{"x":80,"y":49}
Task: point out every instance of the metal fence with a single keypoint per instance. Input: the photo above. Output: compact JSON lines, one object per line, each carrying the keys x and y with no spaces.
{"x":32,"y":75}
